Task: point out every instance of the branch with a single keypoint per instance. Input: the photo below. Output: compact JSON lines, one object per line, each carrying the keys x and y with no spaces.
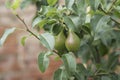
{"x":27,"y":29}
{"x":114,"y":20}
{"x":112,"y":5}
{"x":107,"y":13}
{"x":22,"y":20}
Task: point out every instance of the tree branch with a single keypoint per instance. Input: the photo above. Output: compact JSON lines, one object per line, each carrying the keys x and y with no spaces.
{"x":114,"y":1}
{"x":107,"y":13}
{"x":27,"y":29}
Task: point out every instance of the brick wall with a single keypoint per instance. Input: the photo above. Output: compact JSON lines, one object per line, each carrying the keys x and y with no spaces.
{"x":19,"y":62}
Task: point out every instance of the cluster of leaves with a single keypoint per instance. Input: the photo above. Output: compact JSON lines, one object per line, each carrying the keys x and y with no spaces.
{"x":96,"y":22}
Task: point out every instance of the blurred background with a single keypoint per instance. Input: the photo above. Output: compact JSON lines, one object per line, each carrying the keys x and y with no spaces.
{"x":19,"y":62}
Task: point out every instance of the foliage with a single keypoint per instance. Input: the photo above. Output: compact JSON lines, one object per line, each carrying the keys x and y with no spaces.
{"x":94,"y":22}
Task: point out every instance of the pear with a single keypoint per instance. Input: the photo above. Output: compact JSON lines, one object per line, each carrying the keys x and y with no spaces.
{"x":72,"y":42}
{"x":60,"y":42}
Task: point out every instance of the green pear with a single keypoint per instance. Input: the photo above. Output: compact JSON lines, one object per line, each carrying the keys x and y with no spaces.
{"x":72,"y":42}
{"x":60,"y":42}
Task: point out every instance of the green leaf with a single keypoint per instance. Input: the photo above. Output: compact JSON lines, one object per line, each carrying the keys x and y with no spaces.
{"x":60,"y":74}
{"x":76,"y":20}
{"x":52,"y":2}
{"x":69,"y":3}
{"x":84,"y":51}
{"x":105,"y":78}
{"x":99,"y":25}
{"x":69,"y":62}
{"x":45,"y":9}
{"x":5,"y":35}
{"x":52,"y":13}
{"x":81,"y":69}
{"x":56,"y":28}
{"x":23,"y":39}
{"x":42,"y":23}
{"x":25,"y":3}
{"x":70,"y":23}
{"x":94,"y":4}
{"x":43,"y":61}
{"x":107,"y":37}
{"x":47,"y":40}
{"x":15,"y":4}
{"x":112,"y":61}
{"x":8,"y":4}
{"x":36,"y":21}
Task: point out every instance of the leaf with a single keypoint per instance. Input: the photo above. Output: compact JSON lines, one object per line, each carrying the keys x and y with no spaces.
{"x":69,"y":62}
{"x":81,"y":69}
{"x":8,"y":4}
{"x":60,"y":74}
{"x":56,"y":28}
{"x":84,"y":52}
{"x":76,"y":20}
{"x":36,"y":21}
{"x":52,"y":2}
{"x":15,"y":4}
{"x":69,"y":3}
{"x":42,"y":23}
{"x":99,"y":25}
{"x":43,"y":61}
{"x":45,"y":9}
{"x":52,"y":13}
{"x":107,"y":37}
{"x":112,"y":61}
{"x":94,"y":4}
{"x":47,"y":40}
{"x":5,"y":35}
{"x":105,"y":78}
{"x":23,"y":39}
{"x":81,"y":5}
{"x":25,"y":3}
{"x":70,"y":23}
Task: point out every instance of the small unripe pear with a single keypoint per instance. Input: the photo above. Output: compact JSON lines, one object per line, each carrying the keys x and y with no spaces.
{"x":72,"y":42}
{"x":60,"y":42}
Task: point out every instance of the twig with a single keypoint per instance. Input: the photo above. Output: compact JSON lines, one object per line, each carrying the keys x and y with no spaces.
{"x":112,"y":6}
{"x":22,"y":20}
{"x":107,"y":13}
{"x":114,"y":20}
{"x":101,"y":74}
{"x":27,"y":29}
{"x":100,"y":8}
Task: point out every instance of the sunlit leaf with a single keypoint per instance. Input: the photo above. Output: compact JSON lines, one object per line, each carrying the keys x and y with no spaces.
{"x":15,"y":4}
{"x":43,"y":61}
{"x":70,"y":23}
{"x":23,"y":39}
{"x":36,"y":21}
{"x":60,"y":74}
{"x":8,"y":4}
{"x":52,"y":2}
{"x":6,"y":34}
{"x":25,"y":3}
{"x":69,"y":62}
{"x":69,"y":3}
{"x":99,"y":25}
{"x":47,"y":40}
{"x":94,"y":4}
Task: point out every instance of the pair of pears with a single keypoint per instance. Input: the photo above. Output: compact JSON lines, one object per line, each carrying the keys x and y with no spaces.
{"x":71,"y":43}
